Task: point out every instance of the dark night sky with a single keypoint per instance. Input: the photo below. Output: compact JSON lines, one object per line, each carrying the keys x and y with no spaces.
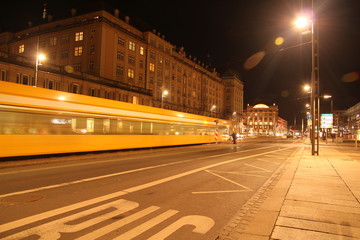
{"x":230,"y":31}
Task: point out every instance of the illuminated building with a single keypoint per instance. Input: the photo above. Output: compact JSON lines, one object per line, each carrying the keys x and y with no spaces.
{"x":101,"y":54}
{"x":262,"y":119}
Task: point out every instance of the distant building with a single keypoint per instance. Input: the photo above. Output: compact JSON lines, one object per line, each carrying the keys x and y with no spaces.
{"x":264,"y":120}
{"x":353,"y":119}
{"x":100,"y":54}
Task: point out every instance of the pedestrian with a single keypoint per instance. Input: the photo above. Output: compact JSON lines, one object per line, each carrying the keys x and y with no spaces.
{"x":233,"y":135}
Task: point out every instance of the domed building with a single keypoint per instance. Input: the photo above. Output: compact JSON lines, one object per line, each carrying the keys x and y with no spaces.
{"x":262,"y":119}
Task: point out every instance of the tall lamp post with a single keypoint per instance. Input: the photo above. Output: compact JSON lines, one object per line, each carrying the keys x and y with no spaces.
{"x":39,"y":59}
{"x":306,"y":22}
{"x":163,"y":95}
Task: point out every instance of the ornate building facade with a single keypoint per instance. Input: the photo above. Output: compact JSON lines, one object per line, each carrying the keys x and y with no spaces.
{"x":102,"y":55}
{"x":264,"y":120}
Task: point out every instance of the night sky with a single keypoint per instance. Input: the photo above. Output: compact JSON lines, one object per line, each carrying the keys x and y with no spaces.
{"x":240,"y":35}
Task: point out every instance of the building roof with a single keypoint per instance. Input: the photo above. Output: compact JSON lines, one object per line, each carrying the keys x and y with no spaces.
{"x":261,"y":106}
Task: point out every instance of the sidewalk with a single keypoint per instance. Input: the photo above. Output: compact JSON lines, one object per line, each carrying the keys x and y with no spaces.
{"x":309,"y":197}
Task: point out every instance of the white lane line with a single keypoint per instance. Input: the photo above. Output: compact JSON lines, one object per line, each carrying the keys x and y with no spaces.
{"x":146,"y":226}
{"x":110,"y":175}
{"x":228,"y":180}
{"x":54,"y":212}
{"x":221,"y":191}
{"x":262,"y":160}
{"x":263,"y":169}
{"x":245,"y":173}
{"x":102,"y":161}
{"x":84,"y":163}
{"x":91,"y":179}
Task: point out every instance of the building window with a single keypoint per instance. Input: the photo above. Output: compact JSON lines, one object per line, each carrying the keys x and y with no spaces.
{"x":78,"y":51}
{"x":120,"y":55}
{"x":65,"y":39}
{"x":79,"y":36}
{"x":131,"y":73}
{"x":121,"y":41}
{"x":77,"y":67}
{"x":74,"y":88}
{"x":92,"y":34}
{"x":53,"y":55}
{"x":91,"y":65}
{"x":92,"y":92}
{"x":25,"y":80}
{"x":132,"y":46}
{"x":53,"y":41}
{"x":119,"y":70}
{"x":64,"y":53}
{"x":152,"y":67}
{"x":141,"y":63}
{"x":50,"y":84}
{"x":131,"y":60}
{"x":3,"y":75}
{"x":21,"y":48}
{"x":141,"y":50}
{"x":42,"y":43}
{"x":92,"y":49}
{"x":140,"y":77}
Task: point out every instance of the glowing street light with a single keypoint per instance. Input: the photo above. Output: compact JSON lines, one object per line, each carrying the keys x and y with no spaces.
{"x":307,"y":88}
{"x":39,"y":59}
{"x":163,"y":95}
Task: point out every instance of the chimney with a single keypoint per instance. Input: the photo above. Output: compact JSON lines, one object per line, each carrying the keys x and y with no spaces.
{"x":73,"y":12}
{"x":116,"y":12}
{"x":50,"y":17}
{"x":127,"y":19}
{"x":30,"y":24}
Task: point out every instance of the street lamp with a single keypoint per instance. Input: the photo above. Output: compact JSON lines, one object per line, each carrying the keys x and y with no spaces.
{"x":163,"y":94}
{"x":331,"y":101}
{"x":39,"y":59}
{"x":213,"y":107}
{"x":305,"y":22}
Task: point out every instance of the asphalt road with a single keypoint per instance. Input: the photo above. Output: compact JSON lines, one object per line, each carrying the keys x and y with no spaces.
{"x":188,"y":192}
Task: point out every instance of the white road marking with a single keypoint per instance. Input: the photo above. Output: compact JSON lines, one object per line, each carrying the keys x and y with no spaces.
{"x":245,"y":173}
{"x":53,"y":229}
{"x":228,"y":180}
{"x":221,"y":191}
{"x":54,"y":212}
{"x":202,"y":225}
{"x":92,"y":179}
{"x":146,"y":226}
{"x":87,"y":163}
{"x":262,"y":160}
{"x":115,"y":225}
{"x":263,"y":169}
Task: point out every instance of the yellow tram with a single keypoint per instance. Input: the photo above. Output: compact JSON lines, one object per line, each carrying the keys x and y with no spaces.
{"x":37,"y":121}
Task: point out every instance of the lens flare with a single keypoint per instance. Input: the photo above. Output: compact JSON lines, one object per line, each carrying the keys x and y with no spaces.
{"x":254,"y":60}
{"x":285,"y":93}
{"x":279,"y":41}
{"x":351,"y":77}
{"x":69,"y":69}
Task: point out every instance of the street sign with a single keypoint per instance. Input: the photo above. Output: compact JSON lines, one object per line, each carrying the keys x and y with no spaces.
{"x":327,"y":120}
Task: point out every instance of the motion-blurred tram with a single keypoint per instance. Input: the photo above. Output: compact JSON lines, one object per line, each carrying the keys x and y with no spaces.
{"x":38,"y":121}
